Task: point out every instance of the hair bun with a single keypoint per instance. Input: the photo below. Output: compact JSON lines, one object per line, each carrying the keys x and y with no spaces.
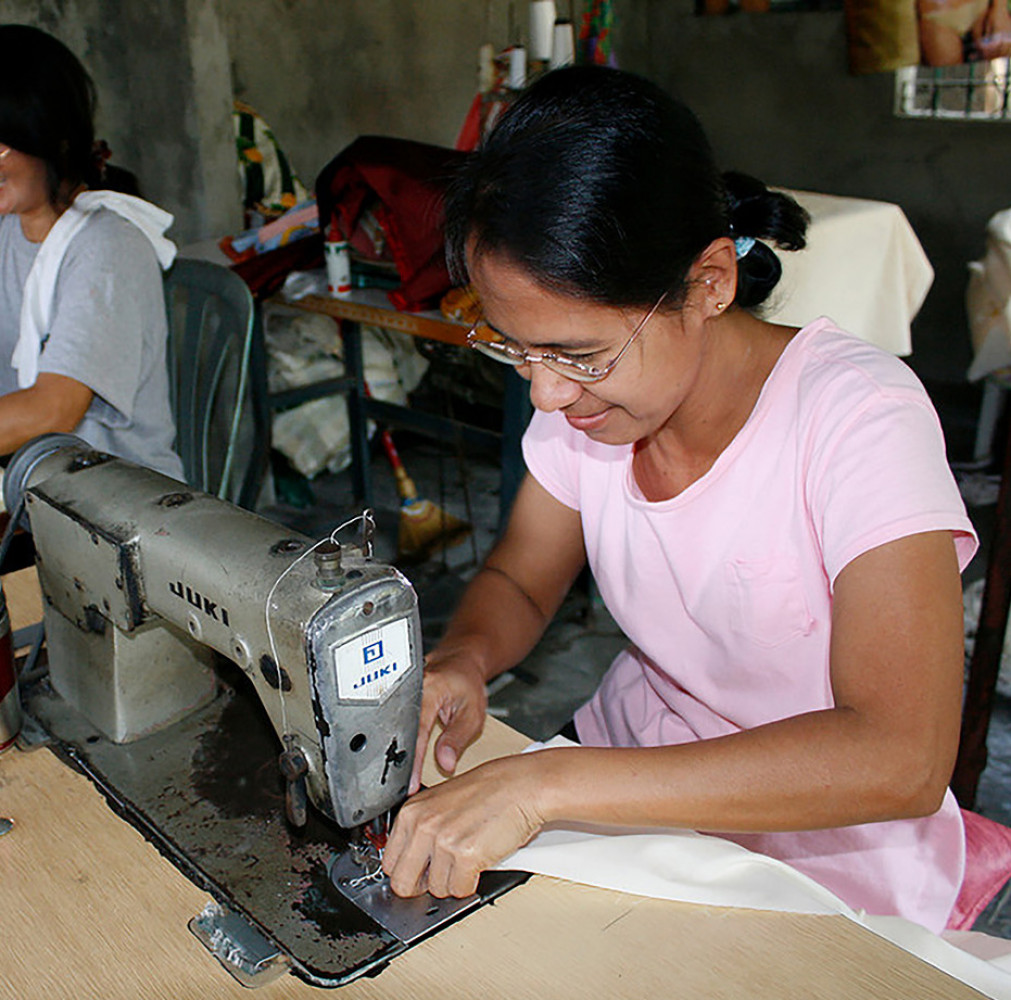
{"x":768,"y":217}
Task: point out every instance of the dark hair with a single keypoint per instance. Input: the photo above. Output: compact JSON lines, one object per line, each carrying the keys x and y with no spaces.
{"x":601,"y":186}
{"x":47,"y":106}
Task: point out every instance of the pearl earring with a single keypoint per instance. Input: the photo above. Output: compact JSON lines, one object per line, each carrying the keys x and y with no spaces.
{"x":720,"y":306}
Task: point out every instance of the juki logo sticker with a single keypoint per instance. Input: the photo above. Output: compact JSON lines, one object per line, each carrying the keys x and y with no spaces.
{"x":373,"y":654}
{"x":370,"y":665}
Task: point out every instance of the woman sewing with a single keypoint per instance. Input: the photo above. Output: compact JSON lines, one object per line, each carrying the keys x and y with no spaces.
{"x":767,"y":513}
{"x":82,"y":314}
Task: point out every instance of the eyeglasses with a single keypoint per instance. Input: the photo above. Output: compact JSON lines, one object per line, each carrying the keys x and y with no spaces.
{"x":567,"y":367}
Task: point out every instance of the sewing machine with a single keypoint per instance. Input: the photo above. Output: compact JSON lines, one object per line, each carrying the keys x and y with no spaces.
{"x":214,"y":674}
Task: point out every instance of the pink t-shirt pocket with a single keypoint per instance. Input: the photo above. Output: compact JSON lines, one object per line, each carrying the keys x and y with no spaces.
{"x":767,"y":601}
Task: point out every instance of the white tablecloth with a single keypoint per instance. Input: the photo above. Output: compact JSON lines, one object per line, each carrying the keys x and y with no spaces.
{"x":988,"y":301}
{"x":863,"y":267}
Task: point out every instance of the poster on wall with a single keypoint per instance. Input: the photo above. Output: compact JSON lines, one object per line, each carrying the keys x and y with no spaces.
{"x":959,"y":31}
{"x":884,"y":35}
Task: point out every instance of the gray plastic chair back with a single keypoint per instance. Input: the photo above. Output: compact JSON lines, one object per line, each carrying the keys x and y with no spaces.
{"x":216,"y":383}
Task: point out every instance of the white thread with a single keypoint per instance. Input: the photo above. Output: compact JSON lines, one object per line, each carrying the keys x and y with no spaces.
{"x":374,"y":875}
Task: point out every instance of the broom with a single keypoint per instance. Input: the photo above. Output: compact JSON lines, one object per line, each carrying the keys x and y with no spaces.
{"x":425,"y":528}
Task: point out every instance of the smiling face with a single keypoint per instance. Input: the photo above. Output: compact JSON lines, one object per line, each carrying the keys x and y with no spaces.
{"x":646,"y":388}
{"x":24,"y":192}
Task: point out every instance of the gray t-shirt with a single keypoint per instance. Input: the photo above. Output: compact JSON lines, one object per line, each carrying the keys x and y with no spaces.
{"x":108,"y":331}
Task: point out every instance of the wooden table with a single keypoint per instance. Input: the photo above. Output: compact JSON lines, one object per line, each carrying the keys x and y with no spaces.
{"x":90,"y":909}
{"x":371,"y":306}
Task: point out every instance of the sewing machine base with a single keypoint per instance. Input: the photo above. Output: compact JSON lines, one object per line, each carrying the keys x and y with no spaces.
{"x":208,"y":794}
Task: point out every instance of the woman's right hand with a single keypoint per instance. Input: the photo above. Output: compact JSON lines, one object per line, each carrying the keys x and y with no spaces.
{"x":454,"y":696}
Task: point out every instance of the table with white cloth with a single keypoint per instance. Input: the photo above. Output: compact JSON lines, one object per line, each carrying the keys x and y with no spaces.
{"x":92,"y":909}
{"x":863,"y":267}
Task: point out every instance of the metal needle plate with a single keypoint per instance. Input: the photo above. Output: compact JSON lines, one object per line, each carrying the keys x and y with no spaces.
{"x":408,"y":920}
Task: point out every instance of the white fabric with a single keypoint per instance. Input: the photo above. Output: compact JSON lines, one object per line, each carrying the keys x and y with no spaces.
{"x":863,"y":266}
{"x":302,"y":349}
{"x":988,"y":300}
{"x":36,"y":307}
{"x":691,"y":867}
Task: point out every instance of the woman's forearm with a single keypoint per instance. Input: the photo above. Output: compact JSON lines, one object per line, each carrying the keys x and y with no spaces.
{"x":823,"y":769}
{"x":496,"y":624}
{"x":54,"y":403}
{"x":510,"y":602}
{"x":819,"y":770}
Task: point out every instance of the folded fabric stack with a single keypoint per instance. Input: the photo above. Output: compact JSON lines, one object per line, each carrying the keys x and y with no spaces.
{"x":303,"y":350}
{"x":302,"y":221}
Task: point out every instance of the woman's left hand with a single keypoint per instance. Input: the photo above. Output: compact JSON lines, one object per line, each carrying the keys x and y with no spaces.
{"x":445,"y":836}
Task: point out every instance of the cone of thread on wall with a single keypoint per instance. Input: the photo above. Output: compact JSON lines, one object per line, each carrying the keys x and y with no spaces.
{"x":517,"y":67}
{"x":485,"y":68}
{"x":542,"y":30}
{"x":563,"y":47}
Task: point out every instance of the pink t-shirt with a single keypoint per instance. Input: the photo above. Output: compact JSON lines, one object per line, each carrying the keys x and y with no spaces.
{"x":725,"y":590}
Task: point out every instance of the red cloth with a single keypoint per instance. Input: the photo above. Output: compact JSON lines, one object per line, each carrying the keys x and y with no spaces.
{"x":401,"y":183}
{"x":987,"y":868}
{"x":470,"y":130}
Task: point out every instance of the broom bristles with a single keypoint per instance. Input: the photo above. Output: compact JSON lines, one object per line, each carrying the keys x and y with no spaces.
{"x":426,"y":529}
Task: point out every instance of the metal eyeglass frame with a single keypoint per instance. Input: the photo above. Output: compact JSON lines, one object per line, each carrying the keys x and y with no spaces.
{"x":558,"y":363}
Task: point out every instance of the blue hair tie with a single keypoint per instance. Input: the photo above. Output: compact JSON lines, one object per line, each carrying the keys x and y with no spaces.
{"x":743,"y":245}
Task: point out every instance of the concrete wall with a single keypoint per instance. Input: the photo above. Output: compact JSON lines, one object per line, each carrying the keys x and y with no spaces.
{"x":322,"y":73}
{"x":777,"y":100}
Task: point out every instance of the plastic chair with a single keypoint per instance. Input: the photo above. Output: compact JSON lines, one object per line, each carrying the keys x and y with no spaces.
{"x":217,"y":380}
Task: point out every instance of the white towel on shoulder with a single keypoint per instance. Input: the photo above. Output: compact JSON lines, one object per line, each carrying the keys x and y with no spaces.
{"x":40,"y":287}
